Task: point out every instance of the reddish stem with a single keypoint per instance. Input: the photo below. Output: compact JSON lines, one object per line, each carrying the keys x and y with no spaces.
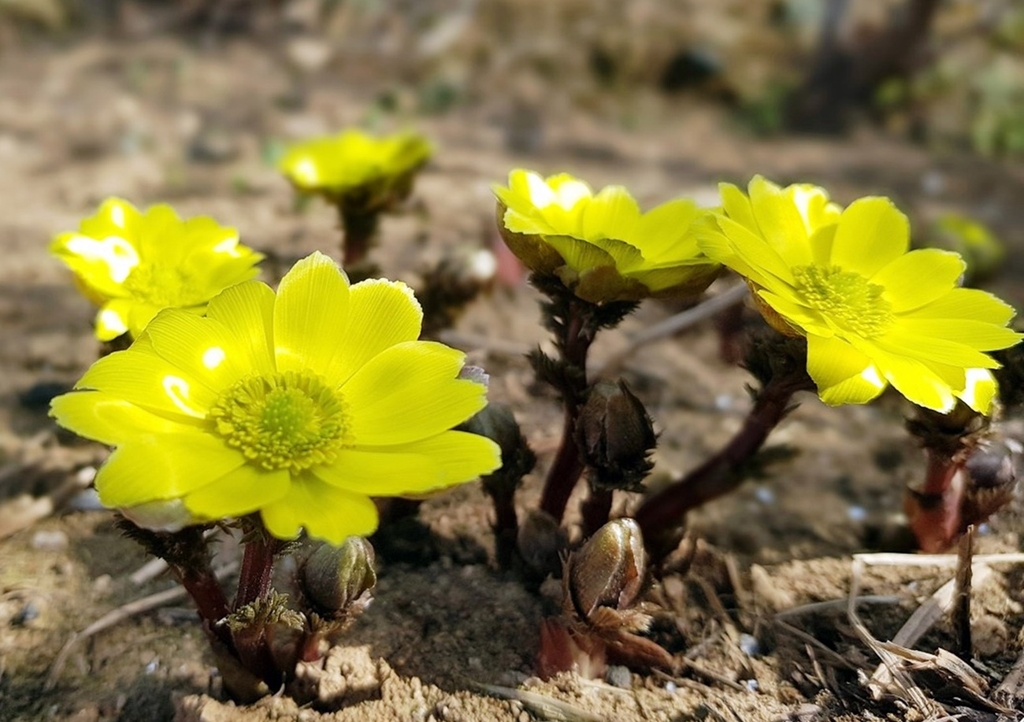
{"x":596,"y":510}
{"x":934,"y":509}
{"x":358,"y":231}
{"x":257,"y":569}
{"x":566,"y":468}
{"x":717,"y":476}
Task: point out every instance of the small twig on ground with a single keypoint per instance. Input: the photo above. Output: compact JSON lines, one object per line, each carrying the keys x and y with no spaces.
{"x":962,"y":594}
{"x":830,"y":604}
{"x":116,"y":616}
{"x":886,"y":559}
{"x":539,"y":704}
{"x":905,"y":686}
{"x":833,"y":656}
{"x":673,"y":325}
{"x":148,"y":571}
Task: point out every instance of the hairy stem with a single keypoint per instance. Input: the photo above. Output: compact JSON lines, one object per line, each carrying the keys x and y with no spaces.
{"x":359,"y":230}
{"x":255,"y":577}
{"x":566,"y":468}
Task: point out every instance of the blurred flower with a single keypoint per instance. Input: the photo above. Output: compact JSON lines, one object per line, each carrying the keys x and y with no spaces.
{"x":601,"y":246}
{"x":133,"y":264}
{"x":873,"y":313}
{"x":300,"y":406}
{"x":981,"y":249}
{"x":356,"y":171}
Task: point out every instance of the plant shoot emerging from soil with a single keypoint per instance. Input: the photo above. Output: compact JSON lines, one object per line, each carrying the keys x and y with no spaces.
{"x":133,"y":264}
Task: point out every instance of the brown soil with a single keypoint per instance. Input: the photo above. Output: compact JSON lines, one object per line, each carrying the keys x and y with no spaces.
{"x":163,"y":120}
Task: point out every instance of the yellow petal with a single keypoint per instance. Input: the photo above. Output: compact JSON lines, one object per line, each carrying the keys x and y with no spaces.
{"x":980,"y":390}
{"x":461,"y":455}
{"x":241,"y":491}
{"x":662,"y":234}
{"x":247,"y":312}
{"x":326,"y":512}
{"x":975,"y":334}
{"x":780,"y":222}
{"x":112,"y":319}
{"x":765,"y":265}
{"x":381,"y":314}
{"x":613,"y":213}
{"x":580,"y":255}
{"x":409,"y":392}
{"x":141,"y":377}
{"x":900,"y":340}
{"x":919,"y":277}
{"x":148,"y":467}
{"x":737,"y":206}
{"x":842,"y":373}
{"x":807,"y":319}
{"x":115,"y":217}
{"x":108,"y":419}
{"x":203,"y":348}
{"x":872,"y":233}
{"x":969,"y":303}
{"x":310,"y":315}
{"x":910,"y":377}
{"x":382,"y":473}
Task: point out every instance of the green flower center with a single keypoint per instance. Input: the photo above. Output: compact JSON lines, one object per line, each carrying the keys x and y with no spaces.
{"x":163,"y":286}
{"x":286,"y":421}
{"x":846,"y":298}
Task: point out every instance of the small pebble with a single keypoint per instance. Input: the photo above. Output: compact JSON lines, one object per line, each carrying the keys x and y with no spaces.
{"x":764,"y":495}
{"x":856,"y":513}
{"x":153,"y":666}
{"x":50,"y":541}
{"x":25,"y":615}
{"x":749,"y":645}
{"x":86,"y":500}
{"x":619,"y":676}
{"x":671,"y":687}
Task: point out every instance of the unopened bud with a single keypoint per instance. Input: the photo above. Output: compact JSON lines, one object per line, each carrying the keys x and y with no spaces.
{"x":615,"y":437}
{"x":497,"y":423}
{"x":541,"y":541}
{"x":991,"y":481}
{"x":607,"y":571}
{"x":337,"y":580}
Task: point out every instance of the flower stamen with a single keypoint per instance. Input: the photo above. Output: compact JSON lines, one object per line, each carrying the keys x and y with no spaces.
{"x":287,"y":421}
{"x":845,"y":298}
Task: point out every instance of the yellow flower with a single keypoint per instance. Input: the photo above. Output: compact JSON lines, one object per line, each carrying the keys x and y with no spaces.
{"x":133,"y":264}
{"x":353,"y":169}
{"x":601,"y":246}
{"x":299,"y":406}
{"x":873,"y":313}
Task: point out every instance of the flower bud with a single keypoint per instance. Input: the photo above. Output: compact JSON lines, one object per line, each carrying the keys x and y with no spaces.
{"x":615,"y":437}
{"x":497,"y":423}
{"x":607,"y":571}
{"x":991,"y":481}
{"x":337,"y":580}
{"x":541,"y":541}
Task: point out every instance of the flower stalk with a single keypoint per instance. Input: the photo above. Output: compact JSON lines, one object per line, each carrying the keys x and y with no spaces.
{"x":779,"y":365}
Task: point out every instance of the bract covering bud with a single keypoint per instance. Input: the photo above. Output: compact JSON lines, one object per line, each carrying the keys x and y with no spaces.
{"x":336,"y":578}
{"x":615,"y":437}
{"x":607,"y":571}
